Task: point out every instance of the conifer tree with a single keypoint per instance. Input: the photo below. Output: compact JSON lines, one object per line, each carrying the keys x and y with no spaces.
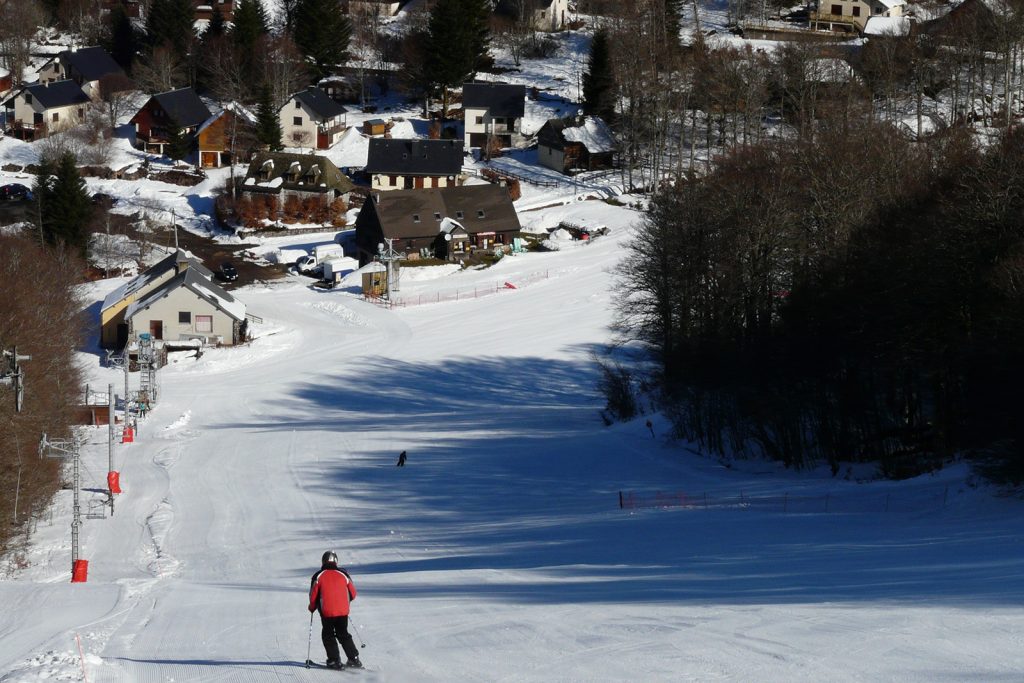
{"x":169,"y":22}
{"x":322,"y":32}
{"x":65,"y":209}
{"x":216,"y":28}
{"x":179,"y":144}
{"x":598,"y":83}
{"x":250,"y":23}
{"x":123,"y":43}
{"x":456,"y":43}
{"x":268,"y":126}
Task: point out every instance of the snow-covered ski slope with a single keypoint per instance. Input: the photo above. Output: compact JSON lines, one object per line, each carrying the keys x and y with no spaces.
{"x":499,"y":553}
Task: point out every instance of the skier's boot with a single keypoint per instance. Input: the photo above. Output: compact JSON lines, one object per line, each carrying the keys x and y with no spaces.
{"x":335,"y":664}
{"x":354,"y":664}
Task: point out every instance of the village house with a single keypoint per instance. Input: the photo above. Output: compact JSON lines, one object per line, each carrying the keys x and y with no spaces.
{"x":575,"y":144}
{"x":89,"y":67}
{"x":188,"y":306}
{"x":162,"y":113}
{"x":493,"y":110}
{"x":283,"y":174}
{"x":542,"y":15}
{"x":408,"y":164}
{"x":34,"y":111}
{"x":204,"y":9}
{"x":6,"y":81}
{"x":853,"y":15}
{"x":444,"y":222}
{"x":113,"y":324}
{"x":311,"y":119}
{"x":231,"y":128}
{"x":371,"y":8}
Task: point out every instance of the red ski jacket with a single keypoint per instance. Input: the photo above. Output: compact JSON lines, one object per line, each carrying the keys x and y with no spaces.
{"x":331,"y":591}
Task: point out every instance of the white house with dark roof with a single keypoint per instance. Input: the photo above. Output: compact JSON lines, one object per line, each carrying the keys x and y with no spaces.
{"x":37,"y":110}
{"x":86,"y":66}
{"x":188,"y":306}
{"x":493,"y":110}
{"x":311,"y":119}
{"x":113,"y":325}
{"x":853,"y":15}
{"x":414,"y":163}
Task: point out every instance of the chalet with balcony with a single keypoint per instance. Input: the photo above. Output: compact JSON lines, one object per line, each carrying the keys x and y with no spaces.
{"x":493,"y":110}
{"x":311,"y":119}
{"x":446,"y":222}
{"x":34,"y":111}
{"x":89,"y":67}
{"x":575,"y":144}
{"x":853,"y":15}
{"x":162,"y":113}
{"x":542,"y":15}
{"x":414,"y":164}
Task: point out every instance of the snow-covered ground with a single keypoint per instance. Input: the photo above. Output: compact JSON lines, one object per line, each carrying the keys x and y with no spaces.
{"x":499,"y":553}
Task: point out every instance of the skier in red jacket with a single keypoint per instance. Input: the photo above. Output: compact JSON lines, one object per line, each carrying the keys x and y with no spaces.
{"x":331,"y":592}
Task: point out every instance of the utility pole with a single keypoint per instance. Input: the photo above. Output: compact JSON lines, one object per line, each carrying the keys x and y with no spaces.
{"x":390,"y":257}
{"x":11,"y":372}
{"x":110,"y":443}
{"x":64,"y":449}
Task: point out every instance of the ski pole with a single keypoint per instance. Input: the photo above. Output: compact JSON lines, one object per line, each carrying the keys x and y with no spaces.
{"x":356,"y":632}
{"x":309,"y":642}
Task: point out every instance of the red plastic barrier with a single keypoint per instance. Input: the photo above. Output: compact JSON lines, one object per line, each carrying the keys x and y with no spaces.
{"x":114,"y":482}
{"x":509,"y":285}
{"x":128,"y":435}
{"x":80,"y":571}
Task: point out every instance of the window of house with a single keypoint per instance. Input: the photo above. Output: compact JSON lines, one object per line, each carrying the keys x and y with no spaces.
{"x":480,"y":214}
{"x":296,"y":120}
{"x":837,"y":10}
{"x":185,"y":317}
{"x":459,"y":215}
{"x":480,"y":120}
{"x":298,"y":105}
{"x":878,"y":10}
{"x":204,"y":323}
{"x":393,"y":181}
{"x":28,"y":98}
{"x":437,"y":216}
{"x":81,"y":113}
{"x":856,"y":10}
{"x":56,"y":117}
{"x":415,"y":218}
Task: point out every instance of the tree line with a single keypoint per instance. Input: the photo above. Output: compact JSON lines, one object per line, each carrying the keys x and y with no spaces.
{"x":851,"y":297}
{"x":41,"y":314}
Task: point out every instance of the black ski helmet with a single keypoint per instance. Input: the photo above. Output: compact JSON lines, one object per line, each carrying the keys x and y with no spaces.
{"x":329,"y":558}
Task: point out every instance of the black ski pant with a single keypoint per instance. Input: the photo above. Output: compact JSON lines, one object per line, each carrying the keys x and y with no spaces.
{"x":335,"y":630}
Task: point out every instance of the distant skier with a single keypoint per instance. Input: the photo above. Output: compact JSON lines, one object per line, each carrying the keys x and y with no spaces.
{"x":331,"y":592}
{"x":650,"y":426}
{"x":401,"y":459}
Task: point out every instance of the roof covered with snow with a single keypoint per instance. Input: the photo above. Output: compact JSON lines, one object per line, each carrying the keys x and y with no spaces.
{"x":155,"y":272}
{"x":896,"y":27}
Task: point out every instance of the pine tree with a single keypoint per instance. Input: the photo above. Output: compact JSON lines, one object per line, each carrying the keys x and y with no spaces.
{"x":250,"y":24}
{"x":322,"y":33}
{"x":216,"y":28}
{"x":179,"y":144}
{"x":169,"y":22}
{"x":456,"y":43}
{"x":123,"y":43}
{"x":65,"y":208}
{"x":598,"y":84}
{"x":268,"y":126}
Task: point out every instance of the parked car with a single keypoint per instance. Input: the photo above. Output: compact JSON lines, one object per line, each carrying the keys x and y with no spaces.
{"x":103,"y":199}
{"x":228,"y":273}
{"x":15,"y":191}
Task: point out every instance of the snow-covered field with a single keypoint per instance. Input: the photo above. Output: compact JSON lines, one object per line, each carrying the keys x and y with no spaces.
{"x":499,"y":553}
